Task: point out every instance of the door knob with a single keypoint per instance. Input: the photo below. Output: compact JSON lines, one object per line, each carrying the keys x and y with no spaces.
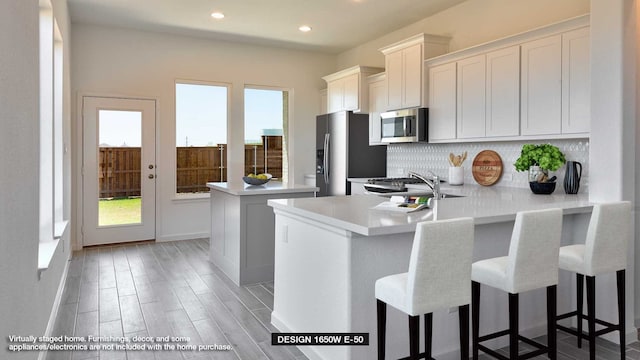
{"x":150,"y":166}
{"x":151,"y":176}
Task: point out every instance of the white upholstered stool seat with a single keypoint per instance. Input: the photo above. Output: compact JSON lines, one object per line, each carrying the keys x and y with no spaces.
{"x":492,"y":272}
{"x":438,"y":278}
{"x":604,"y":251}
{"x":572,"y":258}
{"x":532,"y":263}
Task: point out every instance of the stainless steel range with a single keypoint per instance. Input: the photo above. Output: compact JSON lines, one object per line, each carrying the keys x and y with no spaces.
{"x":386,"y":185}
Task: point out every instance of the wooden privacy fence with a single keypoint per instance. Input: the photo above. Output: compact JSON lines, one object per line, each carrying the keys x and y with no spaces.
{"x":119,"y":171}
{"x":119,"y":167}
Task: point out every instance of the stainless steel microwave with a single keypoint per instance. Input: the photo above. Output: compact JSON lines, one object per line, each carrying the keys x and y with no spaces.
{"x":403,"y":126}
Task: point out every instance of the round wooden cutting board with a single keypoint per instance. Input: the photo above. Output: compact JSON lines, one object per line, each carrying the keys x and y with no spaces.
{"x":487,"y":167}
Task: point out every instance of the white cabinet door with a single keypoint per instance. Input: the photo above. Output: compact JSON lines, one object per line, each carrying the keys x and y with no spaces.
{"x":394,"y":75}
{"x":471,"y":97}
{"x":576,"y":82}
{"x":442,"y":102}
{"x":412,"y":76}
{"x":541,"y":90}
{"x":503,"y":92}
{"x":335,"y":95}
{"x":351,"y":91}
{"x":377,"y":104}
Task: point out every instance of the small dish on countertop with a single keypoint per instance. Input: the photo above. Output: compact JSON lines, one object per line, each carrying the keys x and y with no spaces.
{"x":256,"y":181}
{"x":543,"y":188}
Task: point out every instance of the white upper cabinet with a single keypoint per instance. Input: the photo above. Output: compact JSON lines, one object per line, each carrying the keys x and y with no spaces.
{"x":442,"y":102}
{"x":471,"y":97}
{"x":348,"y":89}
{"x":404,"y":77}
{"x":377,"y":105}
{"x":541,"y":87}
{"x":503,"y":92}
{"x":403,"y":66}
{"x":533,"y":85}
{"x":576,"y":82}
{"x":394,"y":71}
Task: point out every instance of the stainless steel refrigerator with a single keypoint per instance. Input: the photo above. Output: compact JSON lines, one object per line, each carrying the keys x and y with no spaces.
{"x":343,"y":151}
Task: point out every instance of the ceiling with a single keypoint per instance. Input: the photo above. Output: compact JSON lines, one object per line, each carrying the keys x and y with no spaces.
{"x":338,"y":25}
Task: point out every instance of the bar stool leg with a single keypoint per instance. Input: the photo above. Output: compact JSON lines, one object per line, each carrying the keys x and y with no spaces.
{"x":579,"y":301}
{"x":463,"y":314}
{"x":621,"y":311}
{"x":428,"y":334}
{"x":475,"y":321}
{"x":513,"y":326}
{"x":551,"y":321}
{"x":414,"y":335}
{"x":591,"y":315}
{"x":382,"y":323}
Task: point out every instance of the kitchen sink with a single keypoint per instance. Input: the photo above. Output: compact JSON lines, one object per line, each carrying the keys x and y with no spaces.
{"x":420,"y":194}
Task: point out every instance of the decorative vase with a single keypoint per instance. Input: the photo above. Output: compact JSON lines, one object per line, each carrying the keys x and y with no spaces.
{"x":456,"y":175}
{"x":572,"y":177}
{"x":535,"y":172}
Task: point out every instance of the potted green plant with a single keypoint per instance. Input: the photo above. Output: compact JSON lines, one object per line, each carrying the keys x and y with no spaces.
{"x":539,"y":160}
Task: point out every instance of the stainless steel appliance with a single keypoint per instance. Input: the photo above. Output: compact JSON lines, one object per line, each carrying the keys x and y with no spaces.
{"x":343,"y":151}
{"x":406,"y":125}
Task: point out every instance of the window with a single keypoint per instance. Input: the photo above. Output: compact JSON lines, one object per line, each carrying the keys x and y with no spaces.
{"x":201,"y":135}
{"x":51,"y":189}
{"x":266,"y":114}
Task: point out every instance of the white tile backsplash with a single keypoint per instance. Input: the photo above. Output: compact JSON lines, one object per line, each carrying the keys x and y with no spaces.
{"x":420,"y":157}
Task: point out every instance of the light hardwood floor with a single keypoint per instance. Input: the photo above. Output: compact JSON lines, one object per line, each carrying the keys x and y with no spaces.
{"x":160,"y":289}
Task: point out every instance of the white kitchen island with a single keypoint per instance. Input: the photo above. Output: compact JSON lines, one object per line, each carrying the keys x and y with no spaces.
{"x":330,"y":251}
{"x":242,"y":227}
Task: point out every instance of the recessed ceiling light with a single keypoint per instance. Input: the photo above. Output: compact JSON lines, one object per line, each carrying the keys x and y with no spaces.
{"x":217,"y":15}
{"x":305,"y":28}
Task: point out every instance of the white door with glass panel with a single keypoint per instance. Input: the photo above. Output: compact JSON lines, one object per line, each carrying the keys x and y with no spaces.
{"x":119,"y":170}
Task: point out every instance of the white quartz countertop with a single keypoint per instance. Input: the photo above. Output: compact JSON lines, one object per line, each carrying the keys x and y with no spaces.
{"x":485,"y":205}
{"x":272,"y":187}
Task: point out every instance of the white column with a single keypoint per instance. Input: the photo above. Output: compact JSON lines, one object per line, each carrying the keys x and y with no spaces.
{"x":613,"y":128}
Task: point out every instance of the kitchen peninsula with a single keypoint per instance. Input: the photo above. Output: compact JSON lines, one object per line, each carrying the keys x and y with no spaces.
{"x":242,"y":227}
{"x":330,"y":251}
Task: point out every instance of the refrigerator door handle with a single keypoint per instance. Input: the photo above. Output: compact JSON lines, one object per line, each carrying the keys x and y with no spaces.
{"x":326,"y":158}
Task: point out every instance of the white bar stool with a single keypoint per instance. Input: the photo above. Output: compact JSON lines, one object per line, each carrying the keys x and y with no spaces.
{"x":605,"y":250}
{"x":438,"y":278}
{"x":532,"y":263}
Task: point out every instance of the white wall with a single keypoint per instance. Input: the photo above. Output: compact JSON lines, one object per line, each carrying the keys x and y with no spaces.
{"x":25,"y":302}
{"x":613,"y":125}
{"x":471,"y":23}
{"x":135,"y":63}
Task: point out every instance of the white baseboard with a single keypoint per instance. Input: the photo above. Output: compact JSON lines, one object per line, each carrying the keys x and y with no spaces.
{"x":183,"y":237}
{"x":56,"y":306}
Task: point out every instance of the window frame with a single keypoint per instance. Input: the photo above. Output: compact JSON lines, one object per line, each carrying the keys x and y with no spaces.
{"x":286,"y":128}
{"x":187,"y":197}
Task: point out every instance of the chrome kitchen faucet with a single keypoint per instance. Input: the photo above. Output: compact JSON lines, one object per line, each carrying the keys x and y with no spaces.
{"x":433,"y":183}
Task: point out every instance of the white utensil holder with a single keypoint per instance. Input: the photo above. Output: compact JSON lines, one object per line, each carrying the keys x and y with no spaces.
{"x":456,"y":175}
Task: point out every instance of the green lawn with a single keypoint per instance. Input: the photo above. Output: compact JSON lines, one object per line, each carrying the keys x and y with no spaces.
{"x":119,"y":211}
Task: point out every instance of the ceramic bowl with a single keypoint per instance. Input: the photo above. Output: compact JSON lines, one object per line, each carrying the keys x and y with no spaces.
{"x":542,"y":188}
{"x":256,"y":181}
